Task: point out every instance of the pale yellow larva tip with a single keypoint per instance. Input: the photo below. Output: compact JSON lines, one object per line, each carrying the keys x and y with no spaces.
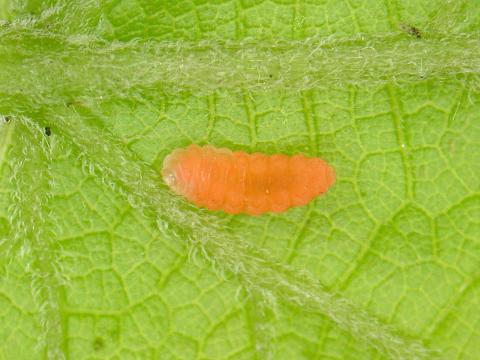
{"x":169,"y":178}
{"x":169,"y":170}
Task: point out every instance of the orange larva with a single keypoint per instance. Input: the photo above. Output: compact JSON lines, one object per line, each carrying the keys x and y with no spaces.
{"x":237,"y":182}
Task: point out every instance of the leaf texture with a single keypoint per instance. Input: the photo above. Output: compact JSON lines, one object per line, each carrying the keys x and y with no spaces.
{"x":99,"y":260}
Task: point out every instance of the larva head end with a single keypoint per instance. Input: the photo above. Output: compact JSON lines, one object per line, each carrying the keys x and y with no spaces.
{"x":169,"y":171}
{"x":169,"y":178}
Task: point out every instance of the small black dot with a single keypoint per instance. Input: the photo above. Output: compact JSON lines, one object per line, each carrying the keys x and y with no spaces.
{"x":98,"y":344}
{"x":7,"y":119}
{"x":48,"y":131}
{"x":412,"y":30}
{"x":270,"y":76}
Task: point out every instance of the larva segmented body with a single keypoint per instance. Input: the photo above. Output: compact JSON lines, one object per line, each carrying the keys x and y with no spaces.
{"x":237,"y":182}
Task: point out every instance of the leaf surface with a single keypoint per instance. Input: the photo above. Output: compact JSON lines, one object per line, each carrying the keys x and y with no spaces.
{"x":100,"y":261}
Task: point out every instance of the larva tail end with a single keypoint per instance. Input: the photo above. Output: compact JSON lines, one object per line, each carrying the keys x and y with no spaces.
{"x":330,"y":176}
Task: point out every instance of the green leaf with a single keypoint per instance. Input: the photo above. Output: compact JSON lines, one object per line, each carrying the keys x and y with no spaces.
{"x":99,"y":260}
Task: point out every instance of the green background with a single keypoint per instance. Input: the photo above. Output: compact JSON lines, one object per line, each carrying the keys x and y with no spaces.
{"x":100,"y":261}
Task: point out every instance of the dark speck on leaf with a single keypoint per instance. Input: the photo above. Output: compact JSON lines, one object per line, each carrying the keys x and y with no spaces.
{"x":48,"y":131}
{"x":270,"y":76}
{"x":7,"y":119}
{"x":412,"y":30}
{"x":98,"y":344}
